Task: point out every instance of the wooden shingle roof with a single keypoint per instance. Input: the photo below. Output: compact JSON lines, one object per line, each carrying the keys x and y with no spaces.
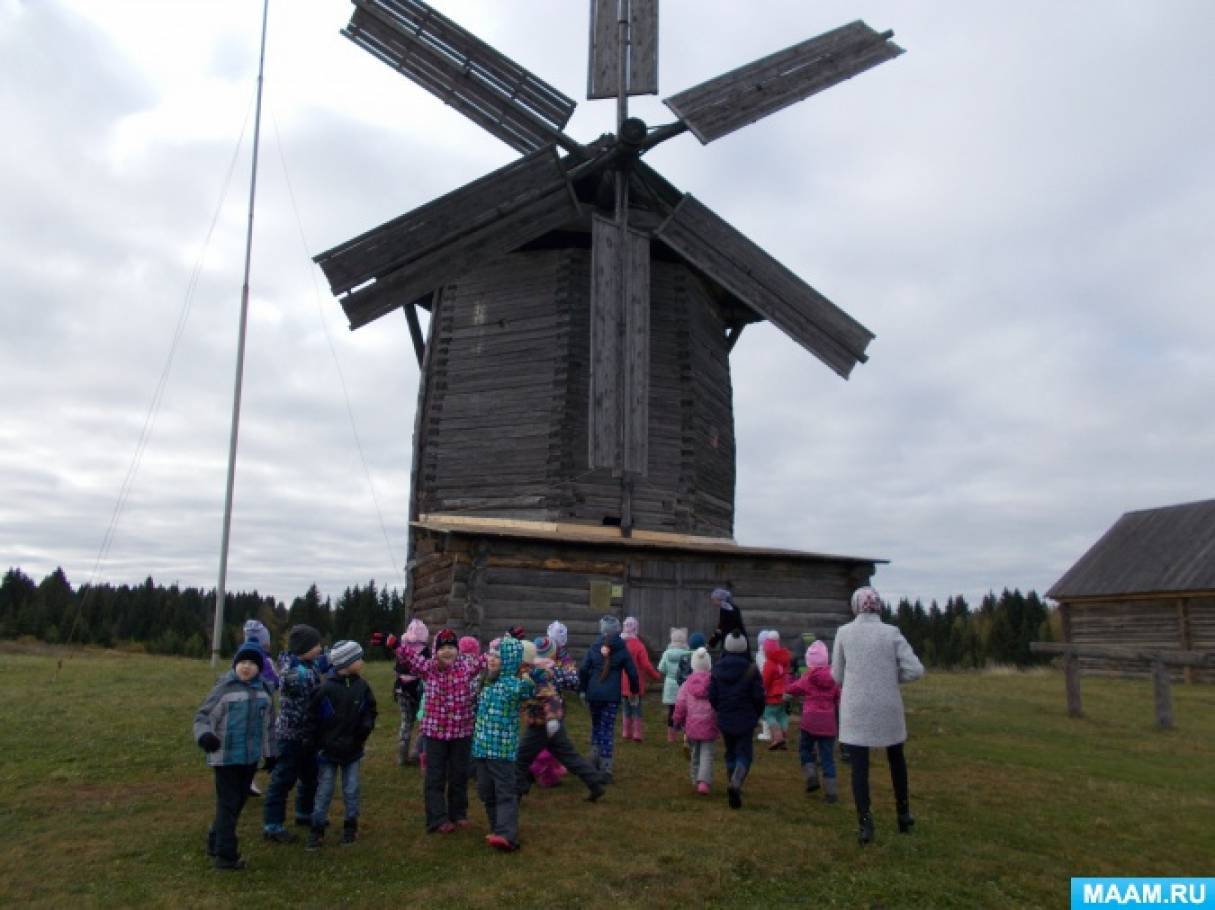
{"x":1165,"y":550}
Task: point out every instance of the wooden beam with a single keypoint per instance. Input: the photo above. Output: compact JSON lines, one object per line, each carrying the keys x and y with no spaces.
{"x":415,"y":330}
{"x":1109,"y":652}
{"x":1164,"y":695}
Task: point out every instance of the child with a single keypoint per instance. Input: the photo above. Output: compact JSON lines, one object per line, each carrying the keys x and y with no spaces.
{"x":234,"y":726}
{"x":765,"y":734}
{"x":634,"y":692}
{"x":407,"y":691}
{"x":496,"y":742}
{"x":775,"y":671}
{"x":301,"y":670}
{"x":344,"y":710}
{"x":737,"y":695}
{"x":668,"y":666}
{"x":558,"y":634}
{"x":544,"y":723}
{"x":819,"y":727}
{"x":695,"y":715}
{"x":255,"y":631}
{"x":599,"y":679}
{"x":447,"y":726}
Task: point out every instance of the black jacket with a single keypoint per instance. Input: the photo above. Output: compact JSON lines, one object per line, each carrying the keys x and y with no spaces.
{"x":345,"y":711}
{"x":729,"y":618}
{"x":736,"y":692}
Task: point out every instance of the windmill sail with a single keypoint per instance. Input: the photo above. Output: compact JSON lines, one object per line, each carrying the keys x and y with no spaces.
{"x":603,"y":71}
{"x":463,"y":71}
{"x":742,"y":96}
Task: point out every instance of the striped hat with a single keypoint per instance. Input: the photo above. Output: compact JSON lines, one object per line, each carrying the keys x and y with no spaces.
{"x":546,"y":647}
{"x":345,"y":653}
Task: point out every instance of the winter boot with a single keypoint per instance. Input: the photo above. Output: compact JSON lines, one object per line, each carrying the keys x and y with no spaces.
{"x":810,"y":773}
{"x":831,"y":793}
{"x":906,"y":820}
{"x":316,"y":838}
{"x":227,"y":864}
{"x":279,"y":835}
{"x":764,"y":731}
{"x":864,"y":834}
{"x":778,"y":738}
{"x":605,"y":770}
{"x":636,"y":729}
{"x":734,"y":790}
{"x":211,"y":844}
{"x":350,"y":831}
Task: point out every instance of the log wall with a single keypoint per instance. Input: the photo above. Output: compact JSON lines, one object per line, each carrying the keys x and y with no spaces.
{"x":482,"y":584}
{"x":1168,"y":622}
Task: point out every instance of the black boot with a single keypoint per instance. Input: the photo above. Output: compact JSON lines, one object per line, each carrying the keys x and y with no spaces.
{"x":906,"y":820}
{"x":864,"y":834}
{"x":211,"y":844}
{"x":350,"y":831}
{"x":316,"y":838}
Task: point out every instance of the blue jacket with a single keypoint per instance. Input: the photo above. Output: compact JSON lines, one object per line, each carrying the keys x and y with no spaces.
{"x":344,"y":711}
{"x":590,"y":674}
{"x":736,"y":692}
{"x":242,"y":716}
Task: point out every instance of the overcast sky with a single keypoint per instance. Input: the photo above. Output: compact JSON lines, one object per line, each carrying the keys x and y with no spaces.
{"x":1021,"y":208}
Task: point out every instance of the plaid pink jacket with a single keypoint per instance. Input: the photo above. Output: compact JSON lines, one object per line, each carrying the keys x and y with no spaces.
{"x":450,"y":699}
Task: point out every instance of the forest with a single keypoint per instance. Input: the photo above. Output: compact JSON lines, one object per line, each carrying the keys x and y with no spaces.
{"x":174,"y":620}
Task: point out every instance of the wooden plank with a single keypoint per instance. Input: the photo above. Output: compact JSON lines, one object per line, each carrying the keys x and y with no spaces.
{"x":746,"y":94}
{"x":636,"y":353}
{"x":603,"y":69}
{"x":738,"y":264}
{"x":607,"y":323}
{"x":462,"y":71}
{"x":1167,"y":657}
{"x":1163,"y":695}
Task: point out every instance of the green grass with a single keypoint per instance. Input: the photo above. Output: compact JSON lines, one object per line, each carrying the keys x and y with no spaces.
{"x":104,"y":801}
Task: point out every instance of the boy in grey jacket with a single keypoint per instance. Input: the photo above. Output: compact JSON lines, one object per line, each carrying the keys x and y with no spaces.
{"x":234,"y":726}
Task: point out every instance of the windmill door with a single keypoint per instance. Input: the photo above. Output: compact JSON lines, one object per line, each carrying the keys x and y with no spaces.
{"x":666,"y":593}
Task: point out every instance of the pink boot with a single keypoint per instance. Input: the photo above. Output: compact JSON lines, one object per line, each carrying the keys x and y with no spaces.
{"x":702,"y":788}
{"x":626,"y":728}
{"x":637,"y":729}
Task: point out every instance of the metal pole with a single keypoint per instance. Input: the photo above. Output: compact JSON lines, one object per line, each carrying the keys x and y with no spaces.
{"x":218,"y":627}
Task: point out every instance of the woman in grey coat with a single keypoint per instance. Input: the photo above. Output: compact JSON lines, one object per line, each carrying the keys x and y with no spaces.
{"x":869,"y":661}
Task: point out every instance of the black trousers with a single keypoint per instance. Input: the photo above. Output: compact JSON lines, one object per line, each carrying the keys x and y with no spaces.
{"x":860,"y":775}
{"x":446,"y":794}
{"x":231,"y":791}
{"x":535,"y":740}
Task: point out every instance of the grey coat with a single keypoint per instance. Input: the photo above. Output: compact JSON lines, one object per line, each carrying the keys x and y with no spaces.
{"x":869,"y":660}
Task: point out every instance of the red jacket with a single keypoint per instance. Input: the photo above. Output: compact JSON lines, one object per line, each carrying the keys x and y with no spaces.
{"x":644,"y":668}
{"x":776,"y":668}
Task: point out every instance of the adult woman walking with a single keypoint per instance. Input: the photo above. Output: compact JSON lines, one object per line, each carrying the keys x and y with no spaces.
{"x":869,"y":661}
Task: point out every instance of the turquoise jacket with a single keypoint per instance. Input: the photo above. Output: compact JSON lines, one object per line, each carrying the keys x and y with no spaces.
{"x":668,"y":666}
{"x":496,"y":730}
{"x":242,"y":716}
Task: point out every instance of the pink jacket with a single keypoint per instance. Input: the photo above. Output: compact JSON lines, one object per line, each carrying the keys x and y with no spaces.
{"x":820,"y":699}
{"x":644,"y":668}
{"x":450,"y":700}
{"x":692,"y":709}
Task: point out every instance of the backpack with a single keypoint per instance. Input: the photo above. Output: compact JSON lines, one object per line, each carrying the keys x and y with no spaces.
{"x":685,"y":668}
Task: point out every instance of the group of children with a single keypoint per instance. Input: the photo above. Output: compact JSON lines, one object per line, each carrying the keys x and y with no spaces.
{"x":467,"y":706}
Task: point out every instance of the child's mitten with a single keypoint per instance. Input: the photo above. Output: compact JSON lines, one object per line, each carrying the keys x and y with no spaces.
{"x":552,"y":726}
{"x":209,"y":742}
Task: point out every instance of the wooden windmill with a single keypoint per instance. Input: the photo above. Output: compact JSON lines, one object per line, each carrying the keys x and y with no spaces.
{"x":583,"y":309}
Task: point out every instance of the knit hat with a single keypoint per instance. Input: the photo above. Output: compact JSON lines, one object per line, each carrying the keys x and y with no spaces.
{"x":517,"y":633}
{"x":609,"y":625}
{"x":721,"y":594}
{"x":546,"y":647}
{"x":701,"y":660}
{"x":816,"y":655}
{"x":558,"y":633}
{"x":764,"y":635}
{"x":345,"y":653}
{"x":809,"y":638}
{"x":259,"y":633}
{"x":866,"y":600}
{"x":736,"y":642}
{"x":630,"y":627}
{"x":302,"y":639}
{"x":529,"y":651}
{"x":250,"y":650}
{"x":470,"y":646}
{"x":446,"y":638}
{"x":696,"y":640}
{"x":679,"y":637}
{"x":416,"y":632}
{"x":492,"y":647}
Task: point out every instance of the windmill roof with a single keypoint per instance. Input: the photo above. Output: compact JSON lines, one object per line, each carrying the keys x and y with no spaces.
{"x":593,"y":534}
{"x":1161,"y":550}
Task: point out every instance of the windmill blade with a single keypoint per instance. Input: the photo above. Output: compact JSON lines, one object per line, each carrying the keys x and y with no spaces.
{"x":406,"y":258}
{"x":762,"y":283}
{"x":618,"y":423}
{"x":463,"y":71}
{"x":744,"y":95}
{"x":603,"y":61}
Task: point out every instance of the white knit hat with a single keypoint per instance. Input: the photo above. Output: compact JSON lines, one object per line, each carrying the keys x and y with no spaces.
{"x":736,"y":642}
{"x":701,"y":660}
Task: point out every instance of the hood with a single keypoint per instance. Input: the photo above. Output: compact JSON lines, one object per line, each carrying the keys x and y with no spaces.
{"x":821,"y":678}
{"x":416,"y":632}
{"x":558,"y":633}
{"x":258,"y":632}
{"x":511,"y":652}
{"x":698,"y":683}
{"x":776,"y":654}
{"x":730,"y":667}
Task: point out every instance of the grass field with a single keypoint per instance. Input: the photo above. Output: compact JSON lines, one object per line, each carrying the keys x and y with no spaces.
{"x":105,"y":801}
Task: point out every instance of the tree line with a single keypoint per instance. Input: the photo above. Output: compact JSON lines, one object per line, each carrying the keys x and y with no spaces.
{"x":175,"y":620}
